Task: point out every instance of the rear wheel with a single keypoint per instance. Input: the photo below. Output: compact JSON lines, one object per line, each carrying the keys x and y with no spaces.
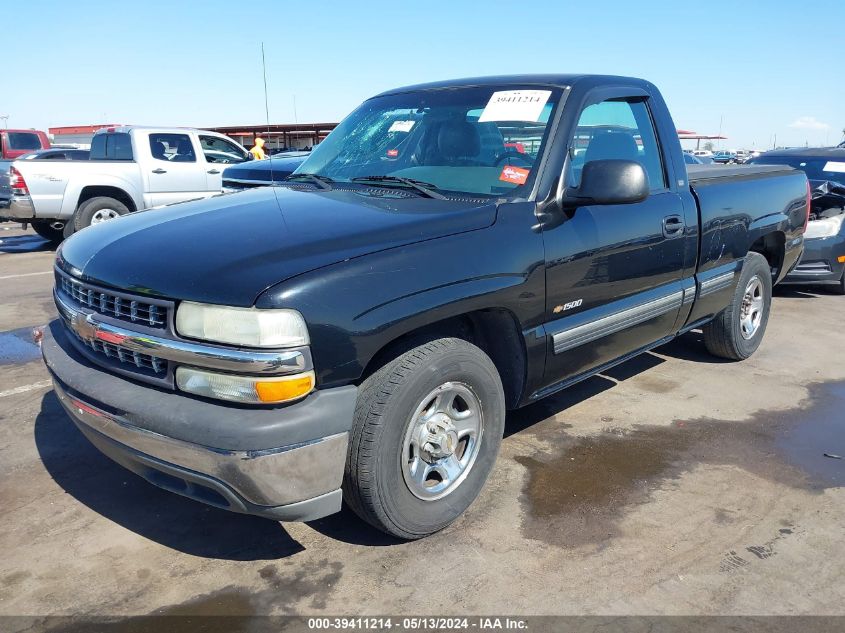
{"x":50,"y":230}
{"x":427,"y":430}
{"x":97,"y":210}
{"x":738,"y":330}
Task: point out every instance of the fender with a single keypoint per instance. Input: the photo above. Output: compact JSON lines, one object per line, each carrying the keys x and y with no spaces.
{"x":774,"y":223}
{"x":75,"y":187}
{"x":357,"y":307}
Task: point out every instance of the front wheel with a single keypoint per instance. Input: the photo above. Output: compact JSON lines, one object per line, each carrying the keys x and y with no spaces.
{"x":738,"y":330}
{"x":427,"y":429}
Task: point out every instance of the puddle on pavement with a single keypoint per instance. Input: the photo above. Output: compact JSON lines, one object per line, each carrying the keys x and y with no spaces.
{"x":230,"y":601}
{"x":282,"y":587}
{"x":17,"y":346}
{"x":577,"y":496}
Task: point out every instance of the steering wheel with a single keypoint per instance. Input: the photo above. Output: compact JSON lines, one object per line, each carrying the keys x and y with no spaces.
{"x":512,"y":153}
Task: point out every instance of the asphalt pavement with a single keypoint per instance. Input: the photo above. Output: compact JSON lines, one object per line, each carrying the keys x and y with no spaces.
{"x":674,"y":484}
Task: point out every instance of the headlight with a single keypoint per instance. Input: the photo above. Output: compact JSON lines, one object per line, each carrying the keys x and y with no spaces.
{"x":246,"y":389}
{"x":826,"y":227}
{"x":249,"y":327}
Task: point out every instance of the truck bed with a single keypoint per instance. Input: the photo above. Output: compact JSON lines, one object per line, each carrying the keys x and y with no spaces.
{"x":699,"y":173}
{"x":739,"y":205}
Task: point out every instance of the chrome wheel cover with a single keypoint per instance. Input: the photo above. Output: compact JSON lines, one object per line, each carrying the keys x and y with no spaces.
{"x":442,"y":440}
{"x":103,"y":215}
{"x":751,"y":309}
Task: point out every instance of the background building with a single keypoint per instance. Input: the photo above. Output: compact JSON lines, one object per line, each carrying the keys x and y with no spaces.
{"x":78,"y":135}
{"x":277,"y":136}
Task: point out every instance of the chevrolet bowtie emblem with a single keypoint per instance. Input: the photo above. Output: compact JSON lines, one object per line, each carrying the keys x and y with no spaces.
{"x":84,"y":325}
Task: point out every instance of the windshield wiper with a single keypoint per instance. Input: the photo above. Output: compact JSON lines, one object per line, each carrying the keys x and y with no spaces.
{"x":425,"y":188}
{"x":323,"y":182}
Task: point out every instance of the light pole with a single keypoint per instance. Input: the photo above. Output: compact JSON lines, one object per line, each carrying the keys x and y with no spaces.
{"x":5,"y":118}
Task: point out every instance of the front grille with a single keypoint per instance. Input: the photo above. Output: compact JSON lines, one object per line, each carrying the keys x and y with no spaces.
{"x":818,"y":268}
{"x":113,"y":305}
{"x":158,"y":366}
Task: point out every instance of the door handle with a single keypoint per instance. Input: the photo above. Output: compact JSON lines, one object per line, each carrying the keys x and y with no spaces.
{"x":213,"y":171}
{"x":159,"y":171}
{"x":673,"y":226}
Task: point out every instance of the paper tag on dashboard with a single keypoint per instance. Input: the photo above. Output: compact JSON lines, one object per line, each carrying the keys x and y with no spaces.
{"x":401,"y":126}
{"x":516,"y":175}
{"x":515,"y":105}
{"x":834,"y":165}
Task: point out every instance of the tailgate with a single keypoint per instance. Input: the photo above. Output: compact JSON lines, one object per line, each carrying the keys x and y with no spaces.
{"x":46,"y":181}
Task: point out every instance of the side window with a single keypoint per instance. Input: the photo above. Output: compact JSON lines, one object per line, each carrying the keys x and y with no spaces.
{"x":175,"y":148}
{"x":218,"y":150}
{"x":111,"y":146}
{"x":617,"y":129}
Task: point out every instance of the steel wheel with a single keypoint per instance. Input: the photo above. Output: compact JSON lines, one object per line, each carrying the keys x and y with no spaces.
{"x":442,"y":441}
{"x":751,"y":310}
{"x":102,"y":215}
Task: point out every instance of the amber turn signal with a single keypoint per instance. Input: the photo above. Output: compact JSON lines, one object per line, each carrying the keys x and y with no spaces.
{"x":285,"y":389}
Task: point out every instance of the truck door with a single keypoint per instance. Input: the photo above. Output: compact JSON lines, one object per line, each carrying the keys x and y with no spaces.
{"x":613,"y":272}
{"x":219,"y":153}
{"x":175,"y":172}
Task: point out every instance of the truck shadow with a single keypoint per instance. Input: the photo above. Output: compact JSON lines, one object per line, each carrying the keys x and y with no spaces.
{"x":799,"y":292}
{"x":25,"y":244}
{"x":689,"y":346}
{"x":191,"y":527}
{"x":125,"y":498}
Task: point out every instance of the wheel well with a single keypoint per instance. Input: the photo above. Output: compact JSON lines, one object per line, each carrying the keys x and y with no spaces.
{"x":772,"y":246}
{"x":109,"y":192}
{"x":495,"y":331}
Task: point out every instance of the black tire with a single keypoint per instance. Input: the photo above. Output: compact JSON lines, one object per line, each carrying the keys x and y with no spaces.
{"x":723,"y":336}
{"x":374,"y":483}
{"x":86,"y":212}
{"x":45,"y":229}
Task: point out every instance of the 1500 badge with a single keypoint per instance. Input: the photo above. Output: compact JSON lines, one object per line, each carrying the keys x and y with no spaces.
{"x":568,"y":306}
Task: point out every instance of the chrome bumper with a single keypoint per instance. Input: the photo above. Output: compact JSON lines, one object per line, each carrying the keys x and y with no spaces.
{"x":269,"y":478}
{"x":283,"y":463}
{"x":20,"y":208}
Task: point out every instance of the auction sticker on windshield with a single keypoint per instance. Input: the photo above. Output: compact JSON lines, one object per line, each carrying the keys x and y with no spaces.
{"x":516,"y":175}
{"x":835,"y":166}
{"x":401,"y":126}
{"x":515,"y":105}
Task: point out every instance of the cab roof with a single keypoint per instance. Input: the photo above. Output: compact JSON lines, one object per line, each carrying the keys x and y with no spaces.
{"x":542,"y":80}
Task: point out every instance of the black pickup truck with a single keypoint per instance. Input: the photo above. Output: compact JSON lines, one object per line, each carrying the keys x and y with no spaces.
{"x":451,"y":251}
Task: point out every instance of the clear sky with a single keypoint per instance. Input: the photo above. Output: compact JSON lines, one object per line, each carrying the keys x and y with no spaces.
{"x":753,"y":69}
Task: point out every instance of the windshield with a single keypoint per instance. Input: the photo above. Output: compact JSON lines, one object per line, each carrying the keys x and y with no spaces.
{"x":480,"y":141}
{"x":815,"y":168}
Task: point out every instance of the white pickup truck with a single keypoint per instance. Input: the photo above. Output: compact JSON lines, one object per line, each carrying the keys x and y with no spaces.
{"x":130,"y":169}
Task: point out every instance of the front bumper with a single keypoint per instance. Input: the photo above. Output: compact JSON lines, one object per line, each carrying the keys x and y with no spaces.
{"x":20,"y":208}
{"x":283,"y":463}
{"x":820,"y":263}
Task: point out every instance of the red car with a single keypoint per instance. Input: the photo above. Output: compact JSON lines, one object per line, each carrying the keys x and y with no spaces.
{"x":14,"y":143}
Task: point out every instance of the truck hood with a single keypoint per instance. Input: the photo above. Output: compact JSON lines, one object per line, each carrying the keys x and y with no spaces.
{"x":230,"y":248}
{"x":268,"y":170}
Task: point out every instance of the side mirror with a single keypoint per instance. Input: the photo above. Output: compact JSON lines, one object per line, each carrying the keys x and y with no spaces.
{"x":608,"y":181}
